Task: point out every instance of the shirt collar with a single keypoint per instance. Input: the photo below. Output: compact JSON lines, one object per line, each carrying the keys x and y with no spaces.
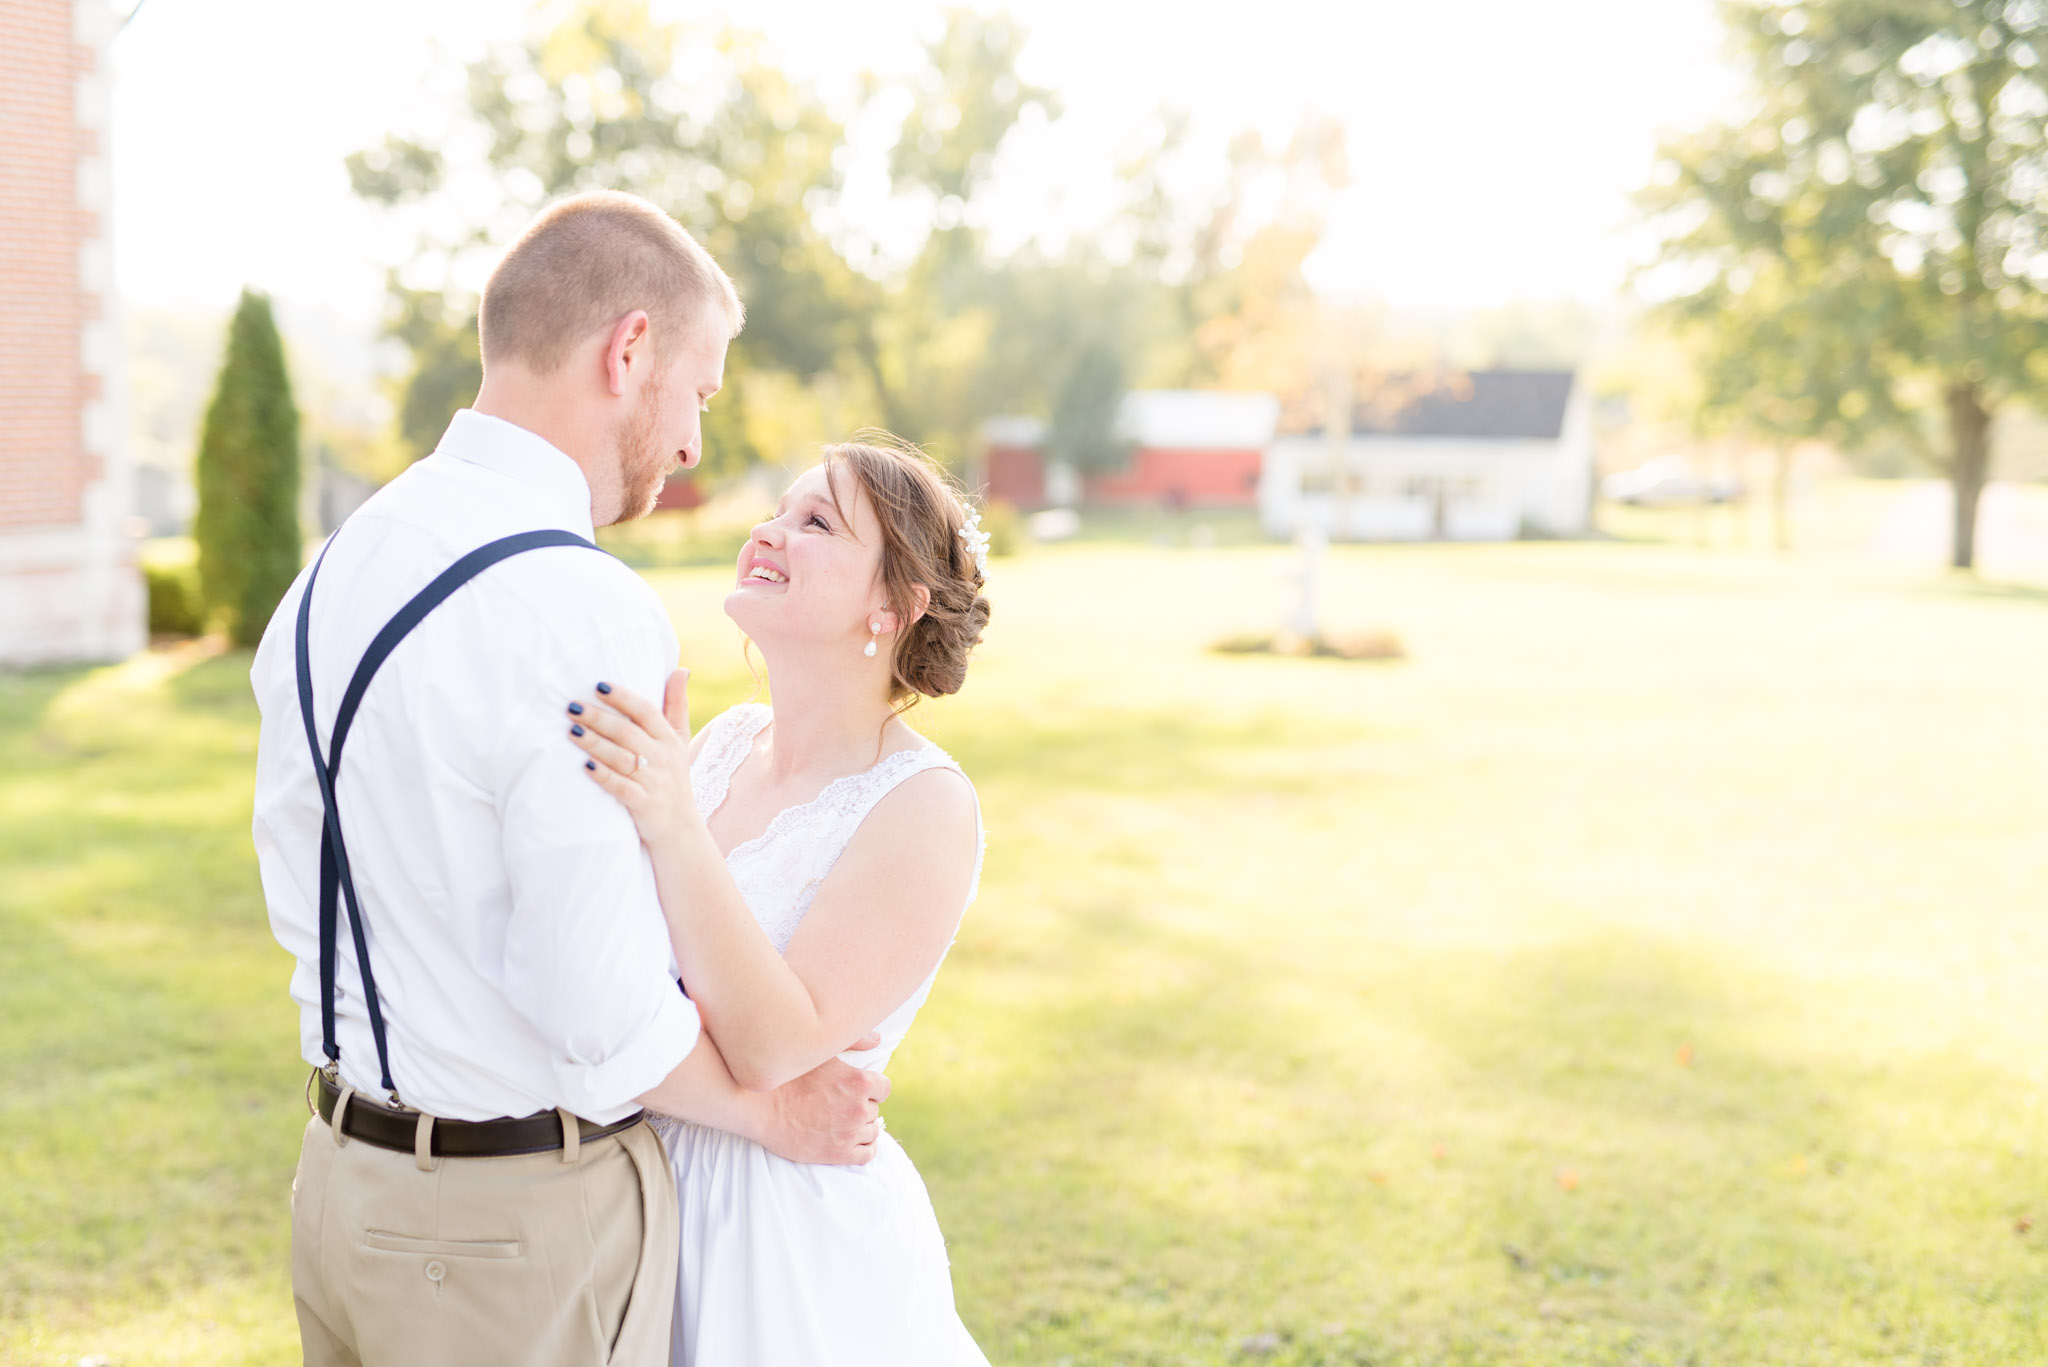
{"x":526,"y":457}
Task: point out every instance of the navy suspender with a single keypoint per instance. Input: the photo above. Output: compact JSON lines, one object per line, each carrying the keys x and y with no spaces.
{"x":334,"y":867}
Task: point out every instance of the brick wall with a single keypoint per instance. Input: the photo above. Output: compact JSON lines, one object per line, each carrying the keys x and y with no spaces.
{"x":44,"y":468}
{"x":68,"y":584}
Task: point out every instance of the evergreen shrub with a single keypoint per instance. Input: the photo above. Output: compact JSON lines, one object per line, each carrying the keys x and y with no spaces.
{"x":248,"y":475}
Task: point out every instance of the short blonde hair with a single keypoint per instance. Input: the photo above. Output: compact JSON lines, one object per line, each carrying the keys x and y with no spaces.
{"x":584,"y":263}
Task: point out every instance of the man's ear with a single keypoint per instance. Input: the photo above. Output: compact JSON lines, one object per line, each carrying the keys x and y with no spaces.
{"x":626,"y":350}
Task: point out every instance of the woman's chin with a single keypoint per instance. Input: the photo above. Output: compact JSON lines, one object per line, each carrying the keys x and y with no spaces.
{"x":750,"y":610}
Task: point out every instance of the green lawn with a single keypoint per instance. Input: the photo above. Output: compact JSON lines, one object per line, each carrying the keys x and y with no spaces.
{"x":1653,"y":969}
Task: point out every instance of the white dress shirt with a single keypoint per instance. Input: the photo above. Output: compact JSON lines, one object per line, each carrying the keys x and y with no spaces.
{"x":521,"y":958}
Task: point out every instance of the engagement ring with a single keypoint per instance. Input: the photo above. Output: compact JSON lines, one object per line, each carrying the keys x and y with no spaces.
{"x":643,"y":762}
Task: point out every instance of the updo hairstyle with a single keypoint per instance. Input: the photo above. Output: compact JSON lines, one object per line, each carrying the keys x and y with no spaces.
{"x":921,"y":514}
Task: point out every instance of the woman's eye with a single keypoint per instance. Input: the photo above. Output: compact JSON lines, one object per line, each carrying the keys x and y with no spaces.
{"x":818,"y":520}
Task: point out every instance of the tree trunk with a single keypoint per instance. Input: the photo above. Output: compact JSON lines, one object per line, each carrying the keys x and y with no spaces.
{"x":1781,"y":496}
{"x":1969,"y":429}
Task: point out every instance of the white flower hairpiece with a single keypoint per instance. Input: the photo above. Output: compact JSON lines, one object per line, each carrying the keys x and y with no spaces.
{"x":977,"y":542}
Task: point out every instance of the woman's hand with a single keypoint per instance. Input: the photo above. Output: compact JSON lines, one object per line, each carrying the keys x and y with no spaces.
{"x":640,"y":754}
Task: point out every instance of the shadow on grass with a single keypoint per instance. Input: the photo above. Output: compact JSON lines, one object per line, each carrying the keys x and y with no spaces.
{"x":152,"y":1111}
{"x":150,"y":1125}
{"x":1522,"y":1120}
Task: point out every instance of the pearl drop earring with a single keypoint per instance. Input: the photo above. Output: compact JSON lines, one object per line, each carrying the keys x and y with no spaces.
{"x":874,"y":630}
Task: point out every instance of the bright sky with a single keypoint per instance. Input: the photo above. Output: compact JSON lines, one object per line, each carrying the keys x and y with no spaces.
{"x":1493,"y":143}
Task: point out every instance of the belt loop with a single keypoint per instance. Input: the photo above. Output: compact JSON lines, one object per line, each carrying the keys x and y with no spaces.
{"x":341,"y":1109}
{"x":423,"y":1143}
{"x":572,"y":1135}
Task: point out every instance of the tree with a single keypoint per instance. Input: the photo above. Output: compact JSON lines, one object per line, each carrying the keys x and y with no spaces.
{"x":1777,"y":368}
{"x":1082,"y":431}
{"x":928,"y":331}
{"x":740,"y":156}
{"x":750,"y":162}
{"x":247,"y":525}
{"x":1882,"y":193}
{"x":1775,"y":362}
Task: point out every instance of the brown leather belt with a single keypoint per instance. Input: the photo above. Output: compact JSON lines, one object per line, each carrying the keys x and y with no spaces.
{"x":387,"y":1127}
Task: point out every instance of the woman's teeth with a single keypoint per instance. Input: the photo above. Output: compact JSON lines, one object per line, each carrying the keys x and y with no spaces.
{"x":766,"y":575}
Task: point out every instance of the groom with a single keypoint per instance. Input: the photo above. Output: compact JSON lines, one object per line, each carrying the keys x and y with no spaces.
{"x":484,"y":979}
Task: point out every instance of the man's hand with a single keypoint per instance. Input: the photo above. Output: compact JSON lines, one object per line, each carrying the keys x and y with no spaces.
{"x":829,"y":1115}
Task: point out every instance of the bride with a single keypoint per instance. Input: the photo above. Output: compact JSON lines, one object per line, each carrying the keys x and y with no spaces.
{"x":814,"y":861}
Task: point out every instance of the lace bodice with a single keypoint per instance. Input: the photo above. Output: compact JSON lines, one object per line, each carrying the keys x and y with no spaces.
{"x":780,"y":870}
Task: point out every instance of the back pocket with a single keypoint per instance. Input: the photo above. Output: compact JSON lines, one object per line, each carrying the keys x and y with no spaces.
{"x":442,"y":1248}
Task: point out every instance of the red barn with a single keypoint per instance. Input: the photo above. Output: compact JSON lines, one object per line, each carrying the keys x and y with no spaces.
{"x":681,"y":493}
{"x":1189,"y":448}
{"x":1013,"y":462}
{"x":1185,"y":448}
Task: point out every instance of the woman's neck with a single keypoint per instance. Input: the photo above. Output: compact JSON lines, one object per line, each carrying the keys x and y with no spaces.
{"x":825,"y":723}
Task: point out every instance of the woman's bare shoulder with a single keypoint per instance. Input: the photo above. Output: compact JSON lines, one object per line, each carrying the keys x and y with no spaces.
{"x":929,"y":808}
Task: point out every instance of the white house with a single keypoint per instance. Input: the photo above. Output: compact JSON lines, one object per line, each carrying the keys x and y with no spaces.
{"x":1486,"y":455}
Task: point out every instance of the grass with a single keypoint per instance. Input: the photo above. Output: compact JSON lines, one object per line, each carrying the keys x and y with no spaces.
{"x":1646,"y":971}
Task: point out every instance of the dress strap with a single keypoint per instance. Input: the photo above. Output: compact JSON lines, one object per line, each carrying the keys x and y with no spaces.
{"x":725,"y":749}
{"x":866,"y":790}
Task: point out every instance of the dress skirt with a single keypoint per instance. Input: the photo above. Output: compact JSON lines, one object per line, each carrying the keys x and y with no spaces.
{"x":796,"y":1265}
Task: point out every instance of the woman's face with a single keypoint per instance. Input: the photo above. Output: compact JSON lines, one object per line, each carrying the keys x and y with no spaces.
{"x":806,"y":575}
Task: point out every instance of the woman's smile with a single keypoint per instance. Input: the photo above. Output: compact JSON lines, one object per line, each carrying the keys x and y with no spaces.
{"x":760,"y":570}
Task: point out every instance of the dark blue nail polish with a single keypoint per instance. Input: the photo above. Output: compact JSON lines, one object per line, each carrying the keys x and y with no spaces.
{"x":591,"y":765}
{"x":576,"y":730}
{"x":604,"y":688}
{"x":575,"y":709}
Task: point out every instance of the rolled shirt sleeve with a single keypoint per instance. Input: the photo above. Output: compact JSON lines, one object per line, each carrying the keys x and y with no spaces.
{"x":587,"y":960}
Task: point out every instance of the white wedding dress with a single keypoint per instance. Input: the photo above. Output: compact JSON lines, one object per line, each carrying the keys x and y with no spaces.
{"x":784,"y":1264}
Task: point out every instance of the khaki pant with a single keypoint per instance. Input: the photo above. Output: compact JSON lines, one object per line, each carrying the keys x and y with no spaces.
{"x":499,"y":1261}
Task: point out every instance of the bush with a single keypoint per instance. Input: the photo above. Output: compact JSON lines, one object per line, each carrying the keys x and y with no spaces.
{"x":175,"y":607}
{"x":248,"y":468}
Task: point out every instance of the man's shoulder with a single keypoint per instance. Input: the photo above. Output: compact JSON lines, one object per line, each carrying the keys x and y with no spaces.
{"x":583,"y":586}
{"x":578,"y":586}
{"x":571,"y":609}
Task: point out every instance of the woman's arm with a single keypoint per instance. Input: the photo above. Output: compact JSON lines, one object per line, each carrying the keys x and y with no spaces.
{"x":878,"y":925}
{"x":825,"y":1116}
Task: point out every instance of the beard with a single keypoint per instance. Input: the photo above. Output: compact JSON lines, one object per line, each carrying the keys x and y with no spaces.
{"x":643,"y":462}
